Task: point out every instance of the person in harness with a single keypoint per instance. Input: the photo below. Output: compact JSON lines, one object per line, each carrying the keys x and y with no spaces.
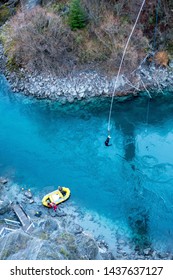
{"x":62,"y":191}
{"x":107,"y":141}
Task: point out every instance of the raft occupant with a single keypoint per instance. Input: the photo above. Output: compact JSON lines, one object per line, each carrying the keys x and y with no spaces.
{"x":107,"y":141}
{"x":62,"y":191}
{"x":52,"y":205}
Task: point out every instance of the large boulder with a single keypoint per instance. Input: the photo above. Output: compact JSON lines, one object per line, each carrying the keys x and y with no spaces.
{"x":4,"y":206}
{"x":49,"y":225}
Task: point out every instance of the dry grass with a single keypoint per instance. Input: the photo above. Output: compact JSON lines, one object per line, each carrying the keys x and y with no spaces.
{"x":161,"y":58}
{"x":38,"y":40}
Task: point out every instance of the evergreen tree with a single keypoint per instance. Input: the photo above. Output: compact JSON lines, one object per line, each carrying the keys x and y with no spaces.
{"x":77,"y":15}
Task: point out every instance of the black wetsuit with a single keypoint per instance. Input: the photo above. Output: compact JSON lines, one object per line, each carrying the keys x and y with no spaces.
{"x":107,"y":142}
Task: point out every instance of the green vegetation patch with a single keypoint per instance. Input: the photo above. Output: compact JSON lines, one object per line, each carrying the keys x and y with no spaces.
{"x":77,"y":16}
{"x":5,"y":13}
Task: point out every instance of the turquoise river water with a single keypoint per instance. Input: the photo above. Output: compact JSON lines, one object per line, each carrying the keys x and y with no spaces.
{"x":44,"y":144}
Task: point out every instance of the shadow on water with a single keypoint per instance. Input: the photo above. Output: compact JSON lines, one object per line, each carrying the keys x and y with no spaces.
{"x":139,"y":224}
{"x":137,"y":214}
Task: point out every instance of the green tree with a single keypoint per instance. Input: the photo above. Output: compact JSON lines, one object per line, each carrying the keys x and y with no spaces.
{"x":77,"y":16}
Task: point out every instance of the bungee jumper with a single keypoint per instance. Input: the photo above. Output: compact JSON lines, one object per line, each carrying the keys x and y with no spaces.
{"x":107,"y":141}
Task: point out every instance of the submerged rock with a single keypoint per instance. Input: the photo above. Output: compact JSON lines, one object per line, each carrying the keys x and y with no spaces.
{"x":3,"y":181}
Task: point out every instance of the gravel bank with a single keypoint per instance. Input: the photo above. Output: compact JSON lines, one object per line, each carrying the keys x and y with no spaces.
{"x":89,"y":83}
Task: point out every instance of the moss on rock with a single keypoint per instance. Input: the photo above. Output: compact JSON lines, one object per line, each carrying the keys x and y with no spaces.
{"x":5,"y":13}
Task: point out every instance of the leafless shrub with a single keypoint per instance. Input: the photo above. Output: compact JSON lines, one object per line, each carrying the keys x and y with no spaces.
{"x":112,"y":33}
{"x":39,"y":41}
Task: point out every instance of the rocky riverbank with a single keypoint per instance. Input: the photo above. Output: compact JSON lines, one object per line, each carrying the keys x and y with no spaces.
{"x":56,"y":235}
{"x":69,"y":233}
{"x":2,"y":60}
{"x":85,"y":84}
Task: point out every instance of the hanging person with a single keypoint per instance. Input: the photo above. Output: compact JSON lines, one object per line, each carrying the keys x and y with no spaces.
{"x":107,"y":141}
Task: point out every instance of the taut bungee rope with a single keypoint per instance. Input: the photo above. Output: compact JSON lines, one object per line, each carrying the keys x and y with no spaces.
{"x":119,"y":70}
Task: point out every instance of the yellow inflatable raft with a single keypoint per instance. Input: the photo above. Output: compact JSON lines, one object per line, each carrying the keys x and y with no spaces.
{"x":57,"y":196}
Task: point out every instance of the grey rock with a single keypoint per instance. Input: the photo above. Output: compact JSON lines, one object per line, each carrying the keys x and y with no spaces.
{"x":28,"y":194}
{"x":30,"y":4}
{"x":171,"y":63}
{"x":48,"y":251}
{"x":107,"y":256}
{"x":60,"y":213}
{"x":3,"y":181}
{"x":147,"y":251}
{"x":52,"y":213}
{"x":49,"y":225}
{"x":74,"y":228}
{"x":4,"y":206}
{"x":88,"y":246}
{"x":81,"y":94}
{"x":70,"y":99}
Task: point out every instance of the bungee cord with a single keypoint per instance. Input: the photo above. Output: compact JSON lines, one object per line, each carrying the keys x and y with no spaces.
{"x":119,"y":70}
